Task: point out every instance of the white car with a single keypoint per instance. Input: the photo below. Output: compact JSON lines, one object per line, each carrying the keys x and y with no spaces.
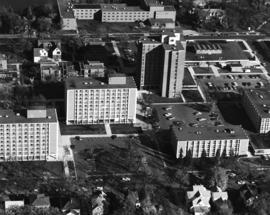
{"x":171,"y":118}
{"x":167,"y":114}
{"x":126,"y":179}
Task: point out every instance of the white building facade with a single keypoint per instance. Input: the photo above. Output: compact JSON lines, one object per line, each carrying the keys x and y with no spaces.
{"x":94,"y":102}
{"x":29,"y":138}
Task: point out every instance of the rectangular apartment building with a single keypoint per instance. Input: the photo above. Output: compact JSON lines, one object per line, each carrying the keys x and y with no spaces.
{"x":228,"y":141}
{"x":85,"y":11}
{"x":90,"y":101}
{"x":173,"y":70}
{"x":68,"y":21}
{"x":122,"y":13}
{"x":256,"y":103}
{"x":29,"y":135}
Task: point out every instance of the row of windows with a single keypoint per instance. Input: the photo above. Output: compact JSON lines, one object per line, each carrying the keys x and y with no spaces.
{"x":26,"y":125}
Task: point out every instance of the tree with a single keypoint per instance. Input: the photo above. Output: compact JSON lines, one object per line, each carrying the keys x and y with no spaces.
{"x":44,"y":24}
{"x":188,"y":158}
{"x":261,"y":205}
{"x":10,"y":21}
{"x":217,"y":157}
{"x":222,"y":207}
{"x":182,"y":177}
{"x":28,"y":210}
{"x":217,"y":177}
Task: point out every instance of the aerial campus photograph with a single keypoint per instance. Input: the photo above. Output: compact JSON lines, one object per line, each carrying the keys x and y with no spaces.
{"x":134,"y":107}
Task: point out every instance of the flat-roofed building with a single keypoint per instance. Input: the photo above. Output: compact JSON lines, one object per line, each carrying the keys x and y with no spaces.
{"x":228,"y":140}
{"x":68,"y":20}
{"x":161,"y":64}
{"x":260,"y":144}
{"x":111,"y":13}
{"x":29,"y":135}
{"x":122,"y":13}
{"x":86,"y":11}
{"x":256,"y":103}
{"x":90,"y":101}
{"x":161,"y":23}
{"x":94,"y":69}
{"x":50,"y":71}
{"x":201,"y":127}
{"x":207,"y":48}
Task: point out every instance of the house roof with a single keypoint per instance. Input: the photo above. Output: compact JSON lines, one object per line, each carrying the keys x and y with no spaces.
{"x":199,"y":195}
{"x":41,"y":201}
{"x":219,"y":195}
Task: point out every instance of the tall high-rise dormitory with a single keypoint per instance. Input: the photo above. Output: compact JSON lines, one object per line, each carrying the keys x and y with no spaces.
{"x":161,"y":64}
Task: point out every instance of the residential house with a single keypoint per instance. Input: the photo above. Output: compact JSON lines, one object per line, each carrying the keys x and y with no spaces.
{"x":41,"y":201}
{"x":72,"y":207}
{"x":219,"y":195}
{"x":9,"y":204}
{"x":40,"y":54}
{"x":199,"y":200}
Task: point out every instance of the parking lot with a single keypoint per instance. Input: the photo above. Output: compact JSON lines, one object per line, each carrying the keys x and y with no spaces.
{"x":231,"y":83}
{"x":188,"y":115}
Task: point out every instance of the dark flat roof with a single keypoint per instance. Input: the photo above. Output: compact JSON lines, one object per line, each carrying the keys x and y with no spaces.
{"x":14,"y":118}
{"x":261,"y":141}
{"x":80,"y":83}
{"x":86,"y":6}
{"x":176,"y":47}
{"x":63,"y":9}
{"x":231,"y":51}
{"x":260,"y":98}
{"x":198,"y":122}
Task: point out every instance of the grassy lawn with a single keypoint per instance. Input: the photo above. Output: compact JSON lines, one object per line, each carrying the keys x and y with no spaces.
{"x":102,"y":156}
{"x":154,"y":98}
{"x":188,"y":80}
{"x":81,"y":129}
{"x":124,"y":129}
{"x":203,"y":70}
{"x":96,"y":27}
{"x":192,"y":96}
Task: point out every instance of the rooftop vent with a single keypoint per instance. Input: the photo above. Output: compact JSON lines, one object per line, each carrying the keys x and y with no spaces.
{"x":267,"y":111}
{"x":229,"y":130}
